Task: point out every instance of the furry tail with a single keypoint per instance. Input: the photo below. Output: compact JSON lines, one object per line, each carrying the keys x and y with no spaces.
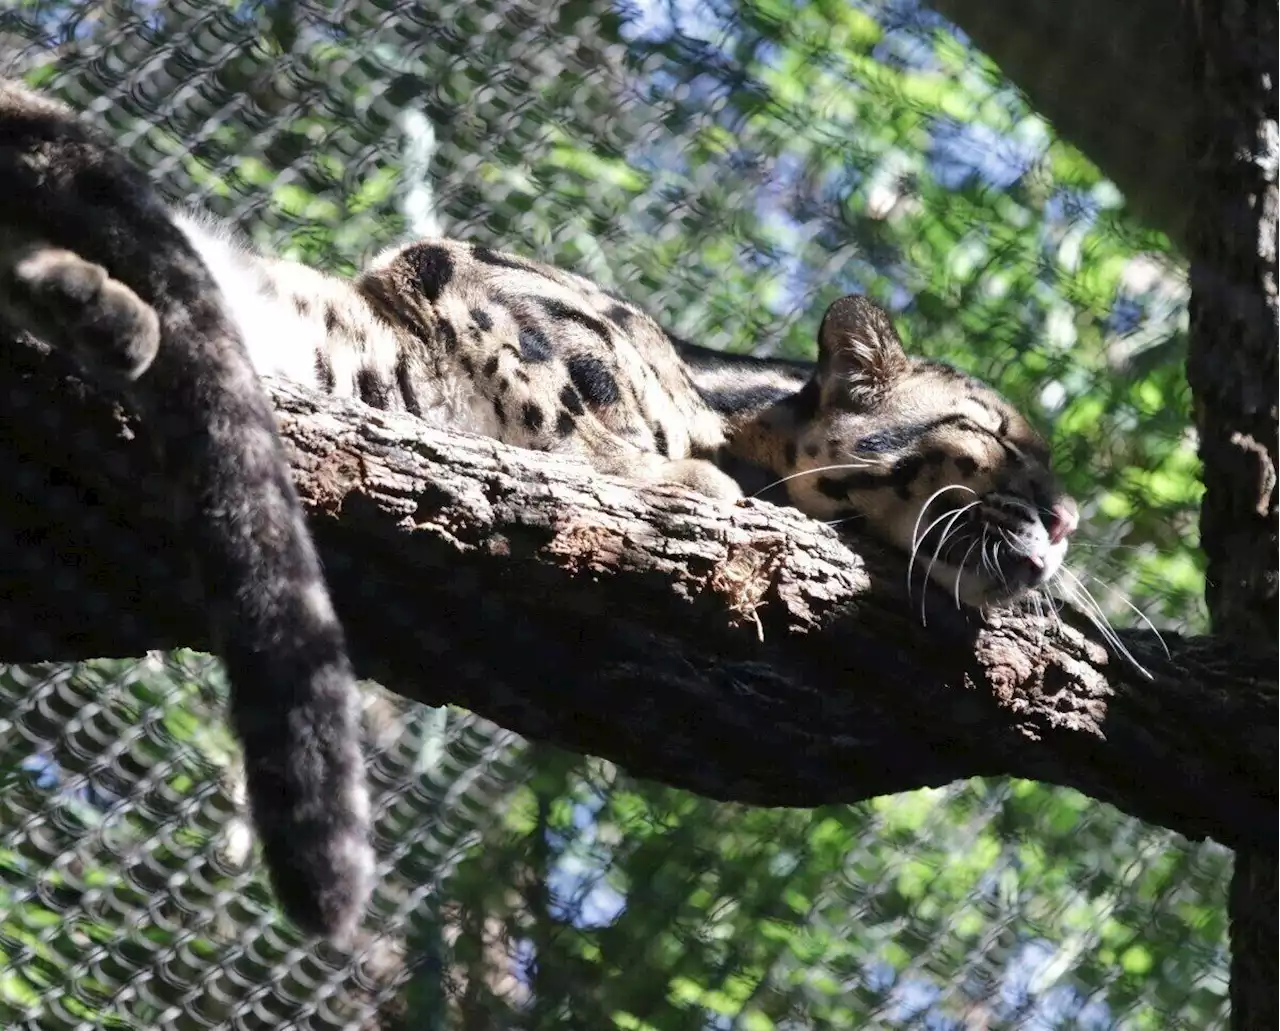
{"x":294,"y":700}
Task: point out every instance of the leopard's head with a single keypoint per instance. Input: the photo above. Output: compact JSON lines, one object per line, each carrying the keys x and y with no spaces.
{"x":928,"y":458}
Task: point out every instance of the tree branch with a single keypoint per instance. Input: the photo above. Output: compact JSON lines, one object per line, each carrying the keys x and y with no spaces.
{"x":744,"y":653}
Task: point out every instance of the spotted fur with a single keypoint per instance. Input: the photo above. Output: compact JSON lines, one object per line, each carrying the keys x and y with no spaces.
{"x":91,"y":261}
{"x":468,"y":338}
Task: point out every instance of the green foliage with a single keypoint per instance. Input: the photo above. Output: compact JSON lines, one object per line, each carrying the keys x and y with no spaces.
{"x":733,"y":168}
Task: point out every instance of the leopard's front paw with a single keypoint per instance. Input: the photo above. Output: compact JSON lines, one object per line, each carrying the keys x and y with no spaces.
{"x":704,"y":477}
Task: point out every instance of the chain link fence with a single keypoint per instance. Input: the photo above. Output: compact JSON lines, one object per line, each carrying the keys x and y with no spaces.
{"x":732,"y":165}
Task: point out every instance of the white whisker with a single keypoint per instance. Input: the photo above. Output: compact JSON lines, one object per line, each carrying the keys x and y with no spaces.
{"x":995,"y":563}
{"x":1093,"y":612}
{"x":916,"y":541}
{"x":1083,"y":593}
{"x":982,"y":553}
{"x":960,"y":571}
{"x":1080,"y":594}
{"x":1043,"y":597}
{"x":946,"y":535}
{"x":1137,"y":611}
{"x":815,"y":471}
{"x":916,"y":536}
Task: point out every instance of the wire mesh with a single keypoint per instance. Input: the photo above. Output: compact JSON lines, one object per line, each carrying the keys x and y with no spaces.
{"x":733,"y":166}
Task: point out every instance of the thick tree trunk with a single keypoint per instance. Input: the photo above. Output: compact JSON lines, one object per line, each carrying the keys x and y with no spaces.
{"x":1233,"y":371}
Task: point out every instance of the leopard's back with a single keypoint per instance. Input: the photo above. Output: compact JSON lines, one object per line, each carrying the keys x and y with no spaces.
{"x":476,"y":340}
{"x":557,"y":359}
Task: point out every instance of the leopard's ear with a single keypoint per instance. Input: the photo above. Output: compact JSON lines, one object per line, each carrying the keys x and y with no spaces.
{"x":859,"y":353}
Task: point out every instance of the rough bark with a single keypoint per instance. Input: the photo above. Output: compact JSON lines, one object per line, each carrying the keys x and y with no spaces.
{"x":1232,"y":368}
{"x":742,"y":652}
{"x":1113,"y":78}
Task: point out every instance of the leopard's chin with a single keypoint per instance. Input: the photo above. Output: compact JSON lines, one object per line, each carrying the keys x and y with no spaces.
{"x":1016,"y":578}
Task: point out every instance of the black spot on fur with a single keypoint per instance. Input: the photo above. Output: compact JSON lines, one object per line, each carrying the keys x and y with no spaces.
{"x":504,"y":385}
{"x":789,"y":453}
{"x":836,"y":488}
{"x":492,"y":257}
{"x":324,"y":373}
{"x":522,"y":376}
{"x":448,"y":335}
{"x":898,"y":477}
{"x":404,"y":380}
{"x":482,"y":320}
{"x":570,"y":399}
{"x":904,"y":472}
{"x":660,"y":442}
{"x":331,"y":320}
{"x":302,"y":305}
{"x":565,"y":423}
{"x":532,"y":417}
{"x":468,"y":366}
{"x":881,"y":441}
{"x":811,"y":450}
{"x":897,"y":438}
{"x":594,"y":382}
{"x":966,"y":465}
{"x":745,"y":398}
{"x":499,"y":411}
{"x":534,"y":345}
{"x":620,"y":316}
{"x":370,"y":388}
{"x":432,"y":266}
{"x":559,"y":310}
{"x":491,"y":366}
{"x":944,"y":370}
{"x":805,"y":402}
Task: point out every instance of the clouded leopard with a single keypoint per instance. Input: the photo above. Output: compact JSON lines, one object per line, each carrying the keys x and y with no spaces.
{"x":473,"y":339}
{"x":477,"y":340}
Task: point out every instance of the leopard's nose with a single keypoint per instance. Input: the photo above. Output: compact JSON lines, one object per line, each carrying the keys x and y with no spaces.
{"x":1064,"y":517}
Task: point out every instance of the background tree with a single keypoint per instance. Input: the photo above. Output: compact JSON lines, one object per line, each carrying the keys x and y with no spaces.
{"x":1232,"y":366}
